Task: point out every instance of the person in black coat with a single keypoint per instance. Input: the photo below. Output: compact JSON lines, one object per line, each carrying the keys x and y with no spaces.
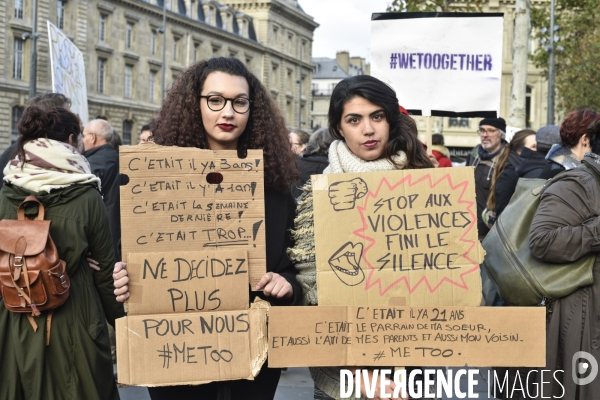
{"x":104,"y":163}
{"x":314,"y":159}
{"x":218,"y":104}
{"x":504,"y":174}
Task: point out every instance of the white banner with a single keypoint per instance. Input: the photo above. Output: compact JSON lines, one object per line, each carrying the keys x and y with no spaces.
{"x":440,"y":62}
{"x":68,"y":72}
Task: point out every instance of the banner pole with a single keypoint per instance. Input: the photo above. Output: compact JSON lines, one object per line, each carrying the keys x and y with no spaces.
{"x":428,"y":134}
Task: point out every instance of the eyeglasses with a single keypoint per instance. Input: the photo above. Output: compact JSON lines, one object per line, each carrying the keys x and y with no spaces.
{"x":489,"y":132}
{"x":240,"y":105}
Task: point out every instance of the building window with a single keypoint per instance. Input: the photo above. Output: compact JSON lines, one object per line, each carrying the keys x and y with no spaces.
{"x":181,"y":8}
{"x":128,"y":80}
{"x":102,"y":27}
{"x":196,"y":49}
{"x":215,"y":51}
{"x":153,"y":43}
{"x":458,"y":122}
{"x":17,"y":113}
{"x":151,"y":87}
{"x":60,"y":14}
{"x":275,"y":69}
{"x":101,"y":74}
{"x":19,"y":6}
{"x":18,"y":61}
{"x":127,"y":127}
{"x":128,"y":35}
{"x":175,"y":49}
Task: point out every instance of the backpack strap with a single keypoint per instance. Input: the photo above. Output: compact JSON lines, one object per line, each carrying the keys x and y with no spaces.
{"x":21,"y":209}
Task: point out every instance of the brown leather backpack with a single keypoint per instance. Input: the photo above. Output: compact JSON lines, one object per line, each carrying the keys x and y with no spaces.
{"x":33,"y":278}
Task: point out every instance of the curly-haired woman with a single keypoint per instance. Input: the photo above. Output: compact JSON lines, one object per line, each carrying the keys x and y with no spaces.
{"x":371,"y":135}
{"x":219,"y":104}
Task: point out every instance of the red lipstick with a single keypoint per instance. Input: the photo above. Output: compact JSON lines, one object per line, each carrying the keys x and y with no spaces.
{"x":226,"y":127}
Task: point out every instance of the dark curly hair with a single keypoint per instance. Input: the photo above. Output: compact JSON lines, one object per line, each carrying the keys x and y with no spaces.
{"x":55,"y":123}
{"x":179,"y":122}
{"x":403,"y":129}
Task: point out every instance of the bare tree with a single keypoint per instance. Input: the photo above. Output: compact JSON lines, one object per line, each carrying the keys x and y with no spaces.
{"x":520,"y":57}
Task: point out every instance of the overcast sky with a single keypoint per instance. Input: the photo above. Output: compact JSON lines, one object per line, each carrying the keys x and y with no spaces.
{"x":344,"y":25}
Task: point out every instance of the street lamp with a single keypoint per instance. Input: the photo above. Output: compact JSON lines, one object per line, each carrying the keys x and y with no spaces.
{"x":550,"y":118}
{"x":34,"y":35}
{"x":163,"y":31}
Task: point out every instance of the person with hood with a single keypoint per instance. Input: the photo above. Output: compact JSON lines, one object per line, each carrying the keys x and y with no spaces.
{"x":505,"y":173}
{"x":439,"y":151}
{"x":76,"y":362}
{"x":484,"y":158}
{"x":314,"y":159}
{"x":575,"y":143}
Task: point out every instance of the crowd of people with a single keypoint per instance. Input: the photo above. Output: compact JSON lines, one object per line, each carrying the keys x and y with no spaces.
{"x":218,"y":104}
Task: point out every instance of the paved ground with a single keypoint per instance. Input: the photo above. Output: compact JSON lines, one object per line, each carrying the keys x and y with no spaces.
{"x":296,"y":384}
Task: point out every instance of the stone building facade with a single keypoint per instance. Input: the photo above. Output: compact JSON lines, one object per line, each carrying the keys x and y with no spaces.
{"x":122,"y":44}
{"x":327,"y":73}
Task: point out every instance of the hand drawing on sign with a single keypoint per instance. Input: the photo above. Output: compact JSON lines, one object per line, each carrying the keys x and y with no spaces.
{"x":343,"y":195}
{"x":346,"y":263}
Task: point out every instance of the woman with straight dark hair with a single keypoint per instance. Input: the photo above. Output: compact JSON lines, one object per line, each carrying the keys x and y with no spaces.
{"x":504,"y":178}
{"x":372,"y":135}
{"x":218,"y":104}
{"x":75,"y":363}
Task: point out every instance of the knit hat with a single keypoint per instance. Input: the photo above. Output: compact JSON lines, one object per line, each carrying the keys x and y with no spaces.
{"x":499,"y":123}
{"x":547,"y":136}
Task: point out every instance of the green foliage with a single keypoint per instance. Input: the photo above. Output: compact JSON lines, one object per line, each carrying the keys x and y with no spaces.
{"x":578,"y":66}
{"x":434,"y":6}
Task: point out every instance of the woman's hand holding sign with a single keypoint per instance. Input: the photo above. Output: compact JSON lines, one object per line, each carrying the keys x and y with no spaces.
{"x":275,"y":285}
{"x":121,"y":281}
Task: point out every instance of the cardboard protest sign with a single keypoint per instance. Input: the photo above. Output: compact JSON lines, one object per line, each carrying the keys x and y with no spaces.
{"x":400,"y":238}
{"x":176,"y":282}
{"x":441,"y":64}
{"x":194,"y":348}
{"x":168,"y":205}
{"x":408,"y":336}
{"x":68,"y":71}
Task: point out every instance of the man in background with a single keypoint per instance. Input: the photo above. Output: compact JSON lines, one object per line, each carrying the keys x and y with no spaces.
{"x":104,"y":163}
{"x":298,"y":141}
